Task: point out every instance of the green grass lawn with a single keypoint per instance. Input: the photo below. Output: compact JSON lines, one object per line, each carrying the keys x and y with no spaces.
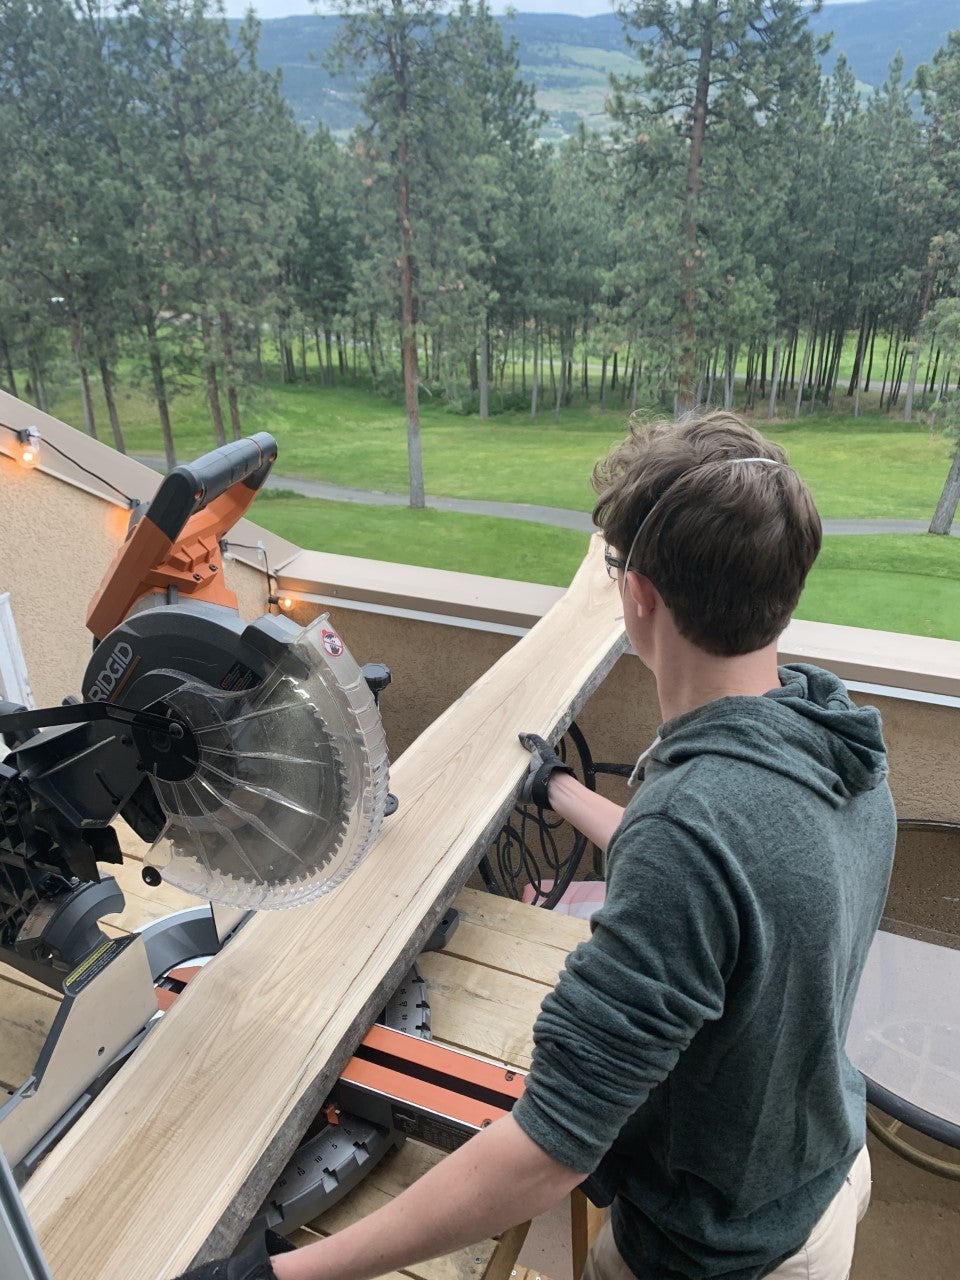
{"x":888,"y":582}
{"x":436,"y":539}
{"x":865,"y":467}
{"x":862,"y":467}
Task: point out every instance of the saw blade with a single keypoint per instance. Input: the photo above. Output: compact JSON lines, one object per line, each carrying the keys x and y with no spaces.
{"x":281,"y":788}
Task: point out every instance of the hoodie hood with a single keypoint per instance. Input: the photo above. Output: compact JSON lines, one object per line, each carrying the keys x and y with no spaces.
{"x":808,"y":729}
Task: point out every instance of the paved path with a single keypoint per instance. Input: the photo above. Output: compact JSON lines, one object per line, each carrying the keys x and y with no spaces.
{"x":558,"y":516}
{"x":544,"y":515}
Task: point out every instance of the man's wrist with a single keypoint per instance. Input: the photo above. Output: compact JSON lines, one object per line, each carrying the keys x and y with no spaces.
{"x":561,"y":785}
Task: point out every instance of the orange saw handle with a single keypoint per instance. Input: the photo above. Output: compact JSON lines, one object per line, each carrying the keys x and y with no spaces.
{"x":175,"y":540}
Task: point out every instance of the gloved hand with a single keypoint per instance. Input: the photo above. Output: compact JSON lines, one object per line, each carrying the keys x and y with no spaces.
{"x":544,"y":763}
{"x":253,"y":1264}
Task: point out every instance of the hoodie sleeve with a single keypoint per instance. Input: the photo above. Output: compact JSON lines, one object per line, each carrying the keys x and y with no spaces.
{"x":632,"y":998}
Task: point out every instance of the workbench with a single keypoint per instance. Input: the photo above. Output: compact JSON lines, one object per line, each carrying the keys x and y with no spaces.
{"x":484,"y":989}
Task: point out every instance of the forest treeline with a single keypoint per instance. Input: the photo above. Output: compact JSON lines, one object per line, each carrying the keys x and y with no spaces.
{"x":163,"y":214}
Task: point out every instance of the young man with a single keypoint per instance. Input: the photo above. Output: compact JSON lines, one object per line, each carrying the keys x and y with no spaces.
{"x":690,"y":1058}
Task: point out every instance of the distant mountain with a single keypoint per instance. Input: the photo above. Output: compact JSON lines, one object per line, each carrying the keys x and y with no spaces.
{"x":569,"y":59}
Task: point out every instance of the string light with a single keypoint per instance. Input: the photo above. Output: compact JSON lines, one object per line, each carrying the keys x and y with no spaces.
{"x":29,"y":438}
{"x":28,"y":443}
{"x":28,"y":455}
{"x":274,"y":599}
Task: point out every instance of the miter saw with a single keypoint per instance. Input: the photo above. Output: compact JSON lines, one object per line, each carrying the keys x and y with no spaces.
{"x":251,"y":757}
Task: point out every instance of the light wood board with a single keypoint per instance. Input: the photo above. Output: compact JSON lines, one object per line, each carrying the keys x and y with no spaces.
{"x":217,"y":1098}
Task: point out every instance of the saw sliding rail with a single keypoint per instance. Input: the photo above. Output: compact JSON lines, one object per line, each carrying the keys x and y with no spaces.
{"x":396,"y":1086}
{"x":426,"y":1091}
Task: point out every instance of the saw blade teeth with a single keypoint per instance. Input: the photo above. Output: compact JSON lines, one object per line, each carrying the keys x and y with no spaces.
{"x":285,"y":784}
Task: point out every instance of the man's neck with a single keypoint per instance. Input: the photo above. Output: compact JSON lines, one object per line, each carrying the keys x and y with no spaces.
{"x":688,"y":678}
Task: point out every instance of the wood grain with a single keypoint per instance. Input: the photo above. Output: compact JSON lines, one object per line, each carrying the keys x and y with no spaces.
{"x":26,"y":1015}
{"x":217,"y":1098}
{"x":471,"y":1005}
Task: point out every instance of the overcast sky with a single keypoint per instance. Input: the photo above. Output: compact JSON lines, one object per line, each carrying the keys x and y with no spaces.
{"x":580,"y":8}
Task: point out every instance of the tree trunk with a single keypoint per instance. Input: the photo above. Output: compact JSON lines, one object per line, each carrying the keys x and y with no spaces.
{"x":873,"y":339}
{"x":106,"y":378}
{"x":210,"y":376}
{"x":896,"y":376}
{"x":834,"y":374}
{"x":76,"y":342}
{"x":233,"y":399}
{"x":635,"y":381}
{"x":774,"y":379}
{"x":886,"y":369}
{"x":943,"y":517}
{"x":535,"y":377}
{"x":691,"y":204}
{"x":751,"y":393}
{"x":35,"y":379}
{"x":811,"y":337}
{"x":912,"y":380}
{"x":731,"y":357}
{"x":560,"y":387}
{"x":933,"y":375}
{"x":858,"y":354}
{"x":484,"y":370}
{"x":8,"y":373}
{"x":613,"y":375}
{"x":603,"y":383}
{"x":411,"y":372}
{"x":159,"y":382}
{"x":932,"y":264}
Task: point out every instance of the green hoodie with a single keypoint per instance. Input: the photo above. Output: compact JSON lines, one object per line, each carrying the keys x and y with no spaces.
{"x":695,"y":1044}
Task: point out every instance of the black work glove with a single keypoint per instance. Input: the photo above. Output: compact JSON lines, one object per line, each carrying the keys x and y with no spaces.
{"x":544,"y":762}
{"x":253,"y":1264}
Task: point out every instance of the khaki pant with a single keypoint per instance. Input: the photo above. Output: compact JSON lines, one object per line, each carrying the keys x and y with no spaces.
{"x":827,"y":1254}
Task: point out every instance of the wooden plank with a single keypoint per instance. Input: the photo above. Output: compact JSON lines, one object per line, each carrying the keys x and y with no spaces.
{"x":520,"y":920}
{"x":9,"y":974}
{"x":218,"y":1096}
{"x":481,"y":1010}
{"x":26,"y":1015}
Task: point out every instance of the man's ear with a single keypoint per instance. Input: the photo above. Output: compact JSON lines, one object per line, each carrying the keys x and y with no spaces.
{"x":643,"y":594}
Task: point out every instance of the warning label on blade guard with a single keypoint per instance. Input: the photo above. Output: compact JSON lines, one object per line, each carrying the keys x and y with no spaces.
{"x":332,"y":643}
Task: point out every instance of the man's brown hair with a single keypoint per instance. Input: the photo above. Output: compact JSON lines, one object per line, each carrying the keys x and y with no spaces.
{"x":727,"y":541}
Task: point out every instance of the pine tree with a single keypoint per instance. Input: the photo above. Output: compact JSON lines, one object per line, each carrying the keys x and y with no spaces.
{"x":710,"y":68}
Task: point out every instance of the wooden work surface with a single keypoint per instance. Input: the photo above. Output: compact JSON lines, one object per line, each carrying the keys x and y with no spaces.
{"x":485,"y":989}
{"x":222,"y":1091}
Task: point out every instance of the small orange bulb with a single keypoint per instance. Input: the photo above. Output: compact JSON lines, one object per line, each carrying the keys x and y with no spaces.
{"x":29,"y":444}
{"x":286,"y":603}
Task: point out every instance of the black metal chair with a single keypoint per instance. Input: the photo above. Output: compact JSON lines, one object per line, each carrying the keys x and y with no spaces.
{"x":536,"y":855}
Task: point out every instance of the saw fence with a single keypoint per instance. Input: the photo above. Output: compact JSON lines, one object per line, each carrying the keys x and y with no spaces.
{"x":176,"y":1155}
